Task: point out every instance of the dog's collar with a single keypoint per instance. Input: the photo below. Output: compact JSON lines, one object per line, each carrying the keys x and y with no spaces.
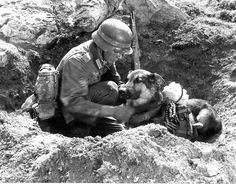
{"x":182,"y":92}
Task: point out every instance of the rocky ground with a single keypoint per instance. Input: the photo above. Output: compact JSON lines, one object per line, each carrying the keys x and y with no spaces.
{"x":200,"y":53}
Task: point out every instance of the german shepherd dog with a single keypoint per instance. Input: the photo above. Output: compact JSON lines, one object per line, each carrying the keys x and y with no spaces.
{"x":144,"y":92}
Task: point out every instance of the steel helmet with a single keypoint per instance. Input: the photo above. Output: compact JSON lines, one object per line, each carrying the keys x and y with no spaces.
{"x":113,"y":34}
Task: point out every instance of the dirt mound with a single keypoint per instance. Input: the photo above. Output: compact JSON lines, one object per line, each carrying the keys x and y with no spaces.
{"x":144,"y":154}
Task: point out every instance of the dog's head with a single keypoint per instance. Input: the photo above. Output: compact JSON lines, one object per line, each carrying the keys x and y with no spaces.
{"x":143,"y":87}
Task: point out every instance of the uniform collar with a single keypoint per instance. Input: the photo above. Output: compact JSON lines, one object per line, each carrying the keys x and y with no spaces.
{"x":98,"y":57}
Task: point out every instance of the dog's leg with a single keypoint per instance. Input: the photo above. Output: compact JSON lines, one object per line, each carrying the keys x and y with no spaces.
{"x":142,"y":118}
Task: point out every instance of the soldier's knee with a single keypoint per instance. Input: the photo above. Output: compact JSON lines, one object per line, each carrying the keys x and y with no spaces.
{"x":112,"y":91}
{"x":105,"y":92}
{"x":113,"y":87}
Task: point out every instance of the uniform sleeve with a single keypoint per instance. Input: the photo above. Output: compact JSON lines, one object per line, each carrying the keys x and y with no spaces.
{"x":74,"y":89}
{"x":112,"y":75}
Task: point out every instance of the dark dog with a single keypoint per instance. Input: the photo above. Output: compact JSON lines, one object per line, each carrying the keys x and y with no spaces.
{"x":197,"y":120}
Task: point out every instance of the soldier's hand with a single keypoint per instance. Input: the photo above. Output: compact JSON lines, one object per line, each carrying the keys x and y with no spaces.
{"x":123,"y":113}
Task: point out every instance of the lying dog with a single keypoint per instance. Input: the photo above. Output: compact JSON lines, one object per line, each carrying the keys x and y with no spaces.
{"x":196,"y":120}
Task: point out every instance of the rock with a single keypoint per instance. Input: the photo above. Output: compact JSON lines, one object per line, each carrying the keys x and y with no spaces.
{"x":27,"y":21}
{"x":157,"y":12}
{"x":7,"y":53}
{"x":27,"y":27}
{"x":32,"y":23}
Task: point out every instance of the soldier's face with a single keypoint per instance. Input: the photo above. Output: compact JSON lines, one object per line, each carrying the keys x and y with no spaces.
{"x":115,"y":54}
{"x":112,"y":57}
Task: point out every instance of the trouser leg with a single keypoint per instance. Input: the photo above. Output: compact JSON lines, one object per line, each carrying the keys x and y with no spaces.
{"x":105,"y":93}
{"x":103,"y":127}
{"x":58,"y":125}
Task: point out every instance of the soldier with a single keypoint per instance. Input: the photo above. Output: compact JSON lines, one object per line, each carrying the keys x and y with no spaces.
{"x":89,"y":82}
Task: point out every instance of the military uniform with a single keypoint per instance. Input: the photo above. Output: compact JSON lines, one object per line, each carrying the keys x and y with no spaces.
{"x":87,"y":83}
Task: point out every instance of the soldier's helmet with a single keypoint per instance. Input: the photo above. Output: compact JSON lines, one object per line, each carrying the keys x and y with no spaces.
{"x":113,"y":34}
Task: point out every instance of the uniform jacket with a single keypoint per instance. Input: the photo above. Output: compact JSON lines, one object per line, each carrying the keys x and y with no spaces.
{"x":80,"y":67}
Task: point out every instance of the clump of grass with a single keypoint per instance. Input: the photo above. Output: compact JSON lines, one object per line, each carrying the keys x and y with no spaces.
{"x":207,"y":32}
{"x":190,"y":9}
{"x":227,"y":4}
{"x":227,"y":15}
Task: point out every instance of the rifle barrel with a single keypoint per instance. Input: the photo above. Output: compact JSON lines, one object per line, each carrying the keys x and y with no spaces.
{"x":135,"y":44}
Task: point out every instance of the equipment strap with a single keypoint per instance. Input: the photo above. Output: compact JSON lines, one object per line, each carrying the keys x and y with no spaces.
{"x":177,"y":121}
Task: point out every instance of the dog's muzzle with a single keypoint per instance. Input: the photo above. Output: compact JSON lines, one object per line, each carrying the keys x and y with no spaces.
{"x":128,"y":93}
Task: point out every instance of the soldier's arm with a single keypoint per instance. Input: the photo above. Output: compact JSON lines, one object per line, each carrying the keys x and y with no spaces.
{"x":112,"y":75}
{"x":74,"y":92}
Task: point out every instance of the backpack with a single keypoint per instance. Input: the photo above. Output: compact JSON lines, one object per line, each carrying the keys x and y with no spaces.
{"x":44,"y":100}
{"x":46,"y":90}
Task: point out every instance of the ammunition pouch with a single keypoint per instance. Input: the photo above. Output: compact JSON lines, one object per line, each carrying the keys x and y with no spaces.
{"x":177,"y":121}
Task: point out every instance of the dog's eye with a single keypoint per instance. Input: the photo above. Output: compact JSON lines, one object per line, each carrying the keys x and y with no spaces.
{"x":138,"y":80}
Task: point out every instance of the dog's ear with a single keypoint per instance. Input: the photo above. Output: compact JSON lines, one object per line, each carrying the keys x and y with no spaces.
{"x":155,"y":78}
{"x":130,"y":71}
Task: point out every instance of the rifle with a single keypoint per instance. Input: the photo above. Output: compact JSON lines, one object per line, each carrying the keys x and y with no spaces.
{"x":135,"y":46}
